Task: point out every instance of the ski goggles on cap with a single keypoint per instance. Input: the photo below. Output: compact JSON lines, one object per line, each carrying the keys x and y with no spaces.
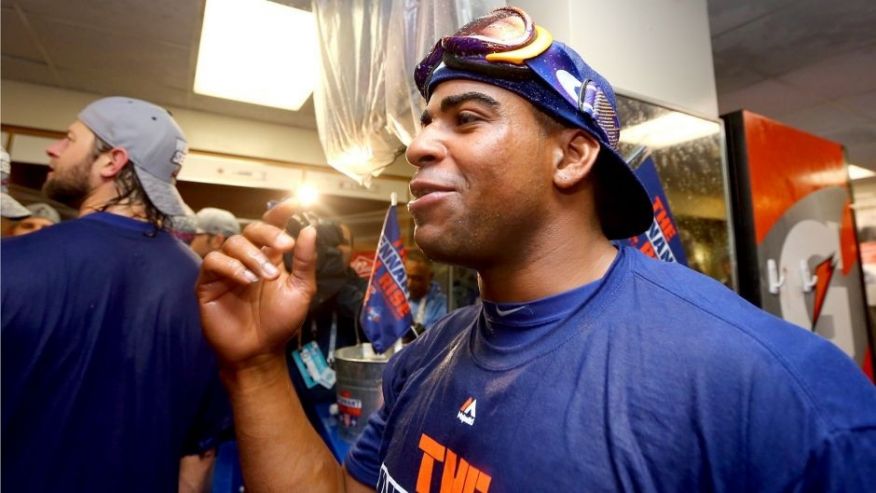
{"x":505,"y":48}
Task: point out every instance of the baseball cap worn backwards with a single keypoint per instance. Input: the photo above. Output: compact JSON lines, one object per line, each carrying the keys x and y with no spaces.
{"x":506,"y":49}
{"x":155,"y":144}
{"x":217,"y":221}
{"x":45,"y":211}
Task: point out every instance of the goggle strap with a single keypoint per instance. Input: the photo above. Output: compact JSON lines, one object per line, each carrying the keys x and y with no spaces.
{"x":500,"y":70}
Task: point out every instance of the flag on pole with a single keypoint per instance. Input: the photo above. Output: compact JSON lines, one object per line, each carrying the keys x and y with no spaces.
{"x":386,"y":315}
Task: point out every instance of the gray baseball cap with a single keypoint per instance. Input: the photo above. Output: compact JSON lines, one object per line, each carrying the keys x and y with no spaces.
{"x":10,"y":207}
{"x":217,"y":221}
{"x":45,"y":211}
{"x":155,"y":144}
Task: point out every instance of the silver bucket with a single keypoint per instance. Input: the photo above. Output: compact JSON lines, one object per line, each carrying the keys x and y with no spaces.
{"x":359,"y":371}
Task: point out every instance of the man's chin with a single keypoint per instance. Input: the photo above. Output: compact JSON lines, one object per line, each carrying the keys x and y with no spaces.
{"x":438,"y":245}
{"x":67,"y":196}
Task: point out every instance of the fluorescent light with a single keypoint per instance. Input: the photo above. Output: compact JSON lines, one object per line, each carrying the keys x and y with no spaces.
{"x":307,"y":195}
{"x":258,"y":52}
{"x":859,"y":173}
{"x":669,"y":129}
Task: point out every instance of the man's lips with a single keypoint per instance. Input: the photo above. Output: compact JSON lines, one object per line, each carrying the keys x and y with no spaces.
{"x":427,"y":194}
{"x":421,"y":188}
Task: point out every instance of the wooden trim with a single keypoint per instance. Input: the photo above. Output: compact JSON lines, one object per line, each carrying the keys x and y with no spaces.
{"x":35,"y":132}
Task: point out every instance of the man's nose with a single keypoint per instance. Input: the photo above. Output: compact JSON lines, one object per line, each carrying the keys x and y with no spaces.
{"x":426,"y":148}
{"x":54,"y":149}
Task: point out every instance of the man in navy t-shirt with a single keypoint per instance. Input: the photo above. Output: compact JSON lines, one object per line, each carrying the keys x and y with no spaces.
{"x":587,"y":367}
{"x":107,"y":380}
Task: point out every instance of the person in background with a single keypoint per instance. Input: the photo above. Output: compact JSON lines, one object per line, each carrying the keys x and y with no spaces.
{"x":107,"y":381}
{"x":587,"y":366}
{"x":10,"y":209}
{"x":331,"y":321}
{"x":214,"y":227}
{"x":184,"y":227}
{"x":42,"y":215}
{"x":428,"y":303}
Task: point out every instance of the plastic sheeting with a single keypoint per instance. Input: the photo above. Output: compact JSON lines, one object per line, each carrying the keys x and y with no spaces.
{"x":367,"y":107}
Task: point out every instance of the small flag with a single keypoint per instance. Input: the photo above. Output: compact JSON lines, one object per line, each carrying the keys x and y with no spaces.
{"x":386,"y":315}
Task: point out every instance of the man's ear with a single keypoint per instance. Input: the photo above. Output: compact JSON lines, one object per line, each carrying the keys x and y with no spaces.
{"x":574,"y":158}
{"x":118,"y":158}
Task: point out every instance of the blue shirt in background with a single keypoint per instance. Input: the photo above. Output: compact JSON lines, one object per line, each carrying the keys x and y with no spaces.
{"x":434,"y":308}
{"x":107,"y":380}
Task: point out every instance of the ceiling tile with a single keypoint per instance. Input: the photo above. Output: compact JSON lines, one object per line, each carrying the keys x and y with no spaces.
{"x":27,"y":71}
{"x":801,"y":33}
{"x":725,"y":15}
{"x":303,"y":118}
{"x":823,"y":119}
{"x":87,"y":50}
{"x":845,"y":74}
{"x":863,"y":105}
{"x":113,"y":83}
{"x":770,"y":98}
{"x":15,"y":39}
{"x":170,"y":21}
{"x":732,"y":75}
{"x":857,"y":135}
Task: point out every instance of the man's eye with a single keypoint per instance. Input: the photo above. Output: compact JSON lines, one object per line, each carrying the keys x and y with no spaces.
{"x":466,"y":117}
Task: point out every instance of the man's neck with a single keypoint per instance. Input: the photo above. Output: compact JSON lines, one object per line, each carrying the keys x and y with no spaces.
{"x":549,"y":270}
{"x":97,"y":202}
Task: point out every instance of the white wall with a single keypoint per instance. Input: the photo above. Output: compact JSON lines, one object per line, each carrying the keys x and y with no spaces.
{"x":656,"y":49}
{"x":49,"y":108}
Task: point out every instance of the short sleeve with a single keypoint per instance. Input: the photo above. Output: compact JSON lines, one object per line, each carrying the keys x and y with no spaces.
{"x":845,"y":461}
{"x":365,"y":457}
{"x":363,"y":460}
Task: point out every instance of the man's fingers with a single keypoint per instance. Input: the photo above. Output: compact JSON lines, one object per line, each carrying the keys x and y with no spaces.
{"x":304,"y":260}
{"x":265,"y":235}
{"x":280,"y":213}
{"x":218,"y":266}
{"x":250,"y":256}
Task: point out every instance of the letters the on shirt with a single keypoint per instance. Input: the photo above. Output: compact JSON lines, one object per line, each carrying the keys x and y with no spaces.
{"x":457,"y":475}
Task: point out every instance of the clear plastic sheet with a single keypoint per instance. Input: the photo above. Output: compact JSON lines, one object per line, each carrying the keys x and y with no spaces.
{"x":367,"y":107}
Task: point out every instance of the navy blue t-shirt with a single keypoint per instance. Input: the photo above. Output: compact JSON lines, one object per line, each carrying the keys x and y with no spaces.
{"x":106,"y":378}
{"x":654,"y":378}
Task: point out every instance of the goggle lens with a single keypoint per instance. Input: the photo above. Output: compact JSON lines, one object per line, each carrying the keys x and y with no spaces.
{"x":506,"y":28}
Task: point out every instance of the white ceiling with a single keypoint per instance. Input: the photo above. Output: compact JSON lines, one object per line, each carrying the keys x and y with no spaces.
{"x":808,"y":63}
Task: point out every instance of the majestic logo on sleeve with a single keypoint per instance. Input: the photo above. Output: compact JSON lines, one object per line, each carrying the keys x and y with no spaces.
{"x":468,"y":411}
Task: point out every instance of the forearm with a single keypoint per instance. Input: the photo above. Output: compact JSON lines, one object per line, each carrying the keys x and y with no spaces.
{"x":279,"y":449}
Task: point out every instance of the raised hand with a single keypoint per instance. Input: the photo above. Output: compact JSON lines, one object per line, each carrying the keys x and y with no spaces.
{"x":250,"y":306}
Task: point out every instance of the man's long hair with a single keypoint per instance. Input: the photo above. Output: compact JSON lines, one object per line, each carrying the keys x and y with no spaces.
{"x":130,"y":190}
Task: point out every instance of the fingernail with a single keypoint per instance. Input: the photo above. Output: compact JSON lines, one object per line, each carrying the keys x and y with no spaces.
{"x":270,"y":269}
{"x":285,"y":240}
{"x":250,"y":276}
